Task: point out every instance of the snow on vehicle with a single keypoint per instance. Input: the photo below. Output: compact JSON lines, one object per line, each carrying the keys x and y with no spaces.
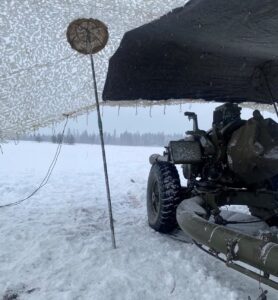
{"x":234,"y":163}
{"x":223,"y":51}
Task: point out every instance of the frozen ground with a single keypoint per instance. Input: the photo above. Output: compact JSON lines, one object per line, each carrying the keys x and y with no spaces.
{"x":57,"y":245}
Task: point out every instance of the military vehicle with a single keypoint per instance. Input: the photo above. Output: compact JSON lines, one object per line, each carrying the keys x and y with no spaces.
{"x":234,"y":163}
{"x":221,"y":51}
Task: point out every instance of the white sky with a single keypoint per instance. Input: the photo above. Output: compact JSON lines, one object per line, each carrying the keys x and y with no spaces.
{"x":148,"y":119}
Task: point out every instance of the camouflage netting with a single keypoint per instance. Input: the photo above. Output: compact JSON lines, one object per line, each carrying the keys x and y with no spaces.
{"x":41,"y":77}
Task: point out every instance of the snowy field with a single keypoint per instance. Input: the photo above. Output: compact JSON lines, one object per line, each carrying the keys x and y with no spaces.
{"x":57,"y":245}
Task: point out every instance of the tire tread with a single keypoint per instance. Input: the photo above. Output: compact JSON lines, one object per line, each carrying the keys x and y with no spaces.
{"x":169,"y":186}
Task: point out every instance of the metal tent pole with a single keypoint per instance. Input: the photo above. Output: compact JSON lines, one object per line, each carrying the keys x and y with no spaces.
{"x":270,"y":91}
{"x":103,"y":155}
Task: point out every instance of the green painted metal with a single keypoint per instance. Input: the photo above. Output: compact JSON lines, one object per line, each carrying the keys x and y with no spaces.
{"x":261,"y":254}
{"x":251,"y":274}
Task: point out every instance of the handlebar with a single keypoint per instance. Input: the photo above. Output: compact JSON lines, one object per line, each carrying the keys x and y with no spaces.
{"x":192,"y":116}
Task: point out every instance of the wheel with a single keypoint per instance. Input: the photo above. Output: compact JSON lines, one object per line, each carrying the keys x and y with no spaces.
{"x":163,"y":196}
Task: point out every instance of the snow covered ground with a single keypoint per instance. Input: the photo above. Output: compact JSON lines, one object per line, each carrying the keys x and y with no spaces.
{"x":57,"y":245}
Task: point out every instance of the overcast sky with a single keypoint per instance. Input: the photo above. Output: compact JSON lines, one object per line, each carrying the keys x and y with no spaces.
{"x":148,"y":119}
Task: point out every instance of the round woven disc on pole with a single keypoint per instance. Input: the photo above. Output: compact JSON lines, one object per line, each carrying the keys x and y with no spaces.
{"x":87,"y":36}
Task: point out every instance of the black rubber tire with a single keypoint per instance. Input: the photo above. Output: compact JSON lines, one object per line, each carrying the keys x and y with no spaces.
{"x":163,"y":196}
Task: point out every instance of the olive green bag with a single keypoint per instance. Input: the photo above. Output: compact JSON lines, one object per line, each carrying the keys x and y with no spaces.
{"x":253,"y":150}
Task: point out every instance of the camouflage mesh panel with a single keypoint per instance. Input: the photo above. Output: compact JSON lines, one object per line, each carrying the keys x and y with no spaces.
{"x":41,"y":77}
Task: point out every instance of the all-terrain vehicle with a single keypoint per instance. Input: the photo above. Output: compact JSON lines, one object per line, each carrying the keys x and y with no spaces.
{"x":234,"y":163}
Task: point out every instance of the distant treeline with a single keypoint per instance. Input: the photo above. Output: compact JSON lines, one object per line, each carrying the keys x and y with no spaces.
{"x":125,"y":138}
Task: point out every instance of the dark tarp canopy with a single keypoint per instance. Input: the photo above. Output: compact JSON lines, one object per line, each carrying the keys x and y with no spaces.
{"x":209,"y":49}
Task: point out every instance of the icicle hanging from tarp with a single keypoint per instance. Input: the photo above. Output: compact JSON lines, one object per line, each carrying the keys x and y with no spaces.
{"x":208,"y":49}
{"x":40,"y":77}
